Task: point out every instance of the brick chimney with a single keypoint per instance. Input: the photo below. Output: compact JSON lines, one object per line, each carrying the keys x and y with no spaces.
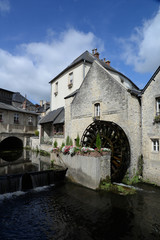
{"x":96,"y":54}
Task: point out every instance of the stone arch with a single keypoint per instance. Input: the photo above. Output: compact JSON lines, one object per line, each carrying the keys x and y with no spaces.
{"x":113,"y":137}
{"x":11,"y":143}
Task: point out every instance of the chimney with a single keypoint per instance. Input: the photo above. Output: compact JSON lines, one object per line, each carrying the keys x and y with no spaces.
{"x":104,"y":59}
{"x":41,"y":103}
{"x":96,"y":54}
{"x":93,"y":52}
{"x":25,"y":103}
{"x":108,"y":62}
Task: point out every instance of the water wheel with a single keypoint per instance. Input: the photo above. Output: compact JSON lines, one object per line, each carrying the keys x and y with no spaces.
{"x":113,"y":137}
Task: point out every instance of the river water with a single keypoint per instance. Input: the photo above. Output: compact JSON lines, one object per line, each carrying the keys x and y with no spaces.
{"x":73,"y":212}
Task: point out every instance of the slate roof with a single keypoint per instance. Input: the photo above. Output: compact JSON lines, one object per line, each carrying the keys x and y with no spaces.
{"x":17,"y":97}
{"x":14,"y":109}
{"x":55,"y":116}
{"x":72,"y":94}
{"x":88,"y":57}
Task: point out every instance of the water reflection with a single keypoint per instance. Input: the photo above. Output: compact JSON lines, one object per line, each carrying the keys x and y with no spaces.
{"x":21,"y":161}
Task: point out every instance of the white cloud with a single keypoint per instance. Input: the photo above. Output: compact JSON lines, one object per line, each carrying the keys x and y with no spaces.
{"x":142,"y":49}
{"x":4,"y":6}
{"x":35,"y":64}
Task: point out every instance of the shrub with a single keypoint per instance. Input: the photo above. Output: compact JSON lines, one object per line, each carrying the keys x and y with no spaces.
{"x":78,"y":141}
{"x":69,"y":141}
{"x":55,"y":144}
{"x":36,"y":133}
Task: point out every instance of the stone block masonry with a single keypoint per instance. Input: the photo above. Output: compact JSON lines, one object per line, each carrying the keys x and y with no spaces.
{"x":87,"y":171}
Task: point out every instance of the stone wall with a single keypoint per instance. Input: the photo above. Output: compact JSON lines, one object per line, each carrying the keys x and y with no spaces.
{"x":116,"y":105}
{"x":84,"y":170}
{"x":150,"y":131}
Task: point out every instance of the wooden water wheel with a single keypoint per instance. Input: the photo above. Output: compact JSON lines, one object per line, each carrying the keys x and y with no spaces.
{"x":113,"y":137}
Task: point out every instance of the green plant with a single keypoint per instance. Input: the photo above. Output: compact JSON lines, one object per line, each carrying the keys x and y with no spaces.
{"x":69,"y":141}
{"x":55,"y":144}
{"x":157,"y":118}
{"x":36,"y":132}
{"x":52,"y":163}
{"x":78,"y":141}
{"x":98,"y":142}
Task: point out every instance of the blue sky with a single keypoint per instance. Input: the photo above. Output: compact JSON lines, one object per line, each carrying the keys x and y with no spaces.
{"x":39,"y":38}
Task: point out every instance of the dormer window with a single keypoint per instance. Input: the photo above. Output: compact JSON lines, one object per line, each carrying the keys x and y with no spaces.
{"x":56,"y":89}
{"x":70,"y":80}
{"x":30,"y":120}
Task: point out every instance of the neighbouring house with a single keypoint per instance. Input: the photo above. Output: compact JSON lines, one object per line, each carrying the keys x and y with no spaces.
{"x":18,"y":119}
{"x":90,"y":97}
{"x":22,"y":102}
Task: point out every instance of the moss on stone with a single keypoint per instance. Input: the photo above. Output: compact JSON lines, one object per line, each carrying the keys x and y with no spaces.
{"x":122,"y":190}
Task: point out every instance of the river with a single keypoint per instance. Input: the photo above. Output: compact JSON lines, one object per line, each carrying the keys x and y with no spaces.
{"x":71,"y":212}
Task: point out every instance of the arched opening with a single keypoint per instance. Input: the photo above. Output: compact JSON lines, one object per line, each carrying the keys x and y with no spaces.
{"x":11,"y":148}
{"x":113,"y":137}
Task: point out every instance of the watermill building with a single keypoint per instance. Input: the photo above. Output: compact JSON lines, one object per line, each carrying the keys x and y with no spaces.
{"x":89,"y":96}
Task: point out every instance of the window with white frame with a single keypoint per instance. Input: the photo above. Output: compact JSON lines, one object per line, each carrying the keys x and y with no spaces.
{"x":97,"y":110}
{"x":16,"y":118}
{"x":70,"y":80}
{"x":155,"y":145}
{"x":157,"y":106}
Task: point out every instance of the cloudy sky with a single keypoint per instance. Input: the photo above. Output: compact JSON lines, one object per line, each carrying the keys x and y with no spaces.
{"x":39,"y":38}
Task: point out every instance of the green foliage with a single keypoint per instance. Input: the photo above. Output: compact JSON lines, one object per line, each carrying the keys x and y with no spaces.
{"x":55,"y":144}
{"x":52,"y":163}
{"x":69,"y":141}
{"x":122,"y":190}
{"x":36,"y":132}
{"x":98,"y":142}
{"x":78,"y":141}
{"x":44,"y":153}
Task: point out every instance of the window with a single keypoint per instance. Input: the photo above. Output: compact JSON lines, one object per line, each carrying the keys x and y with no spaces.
{"x":58,"y":130}
{"x":30,"y":120}
{"x":70,"y":80}
{"x":155,"y":145}
{"x":56,"y":89}
{"x":157,"y":106}
{"x":97,"y":110}
{"x":1,"y":117}
{"x":16,"y":118}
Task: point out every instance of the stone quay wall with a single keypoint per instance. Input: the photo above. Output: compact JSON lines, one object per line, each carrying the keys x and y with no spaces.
{"x":87,"y":171}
